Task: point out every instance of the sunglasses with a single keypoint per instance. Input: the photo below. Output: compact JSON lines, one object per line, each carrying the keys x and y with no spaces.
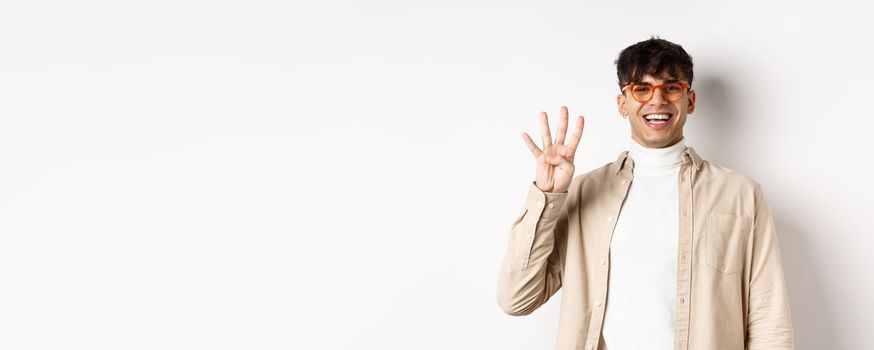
{"x":672,"y":92}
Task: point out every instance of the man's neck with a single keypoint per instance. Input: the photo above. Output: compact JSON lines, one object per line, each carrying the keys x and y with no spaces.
{"x":645,"y":156}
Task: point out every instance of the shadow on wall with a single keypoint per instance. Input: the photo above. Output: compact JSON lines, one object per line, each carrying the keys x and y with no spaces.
{"x":812,"y":318}
{"x":718,"y":126}
{"x":714,"y":123}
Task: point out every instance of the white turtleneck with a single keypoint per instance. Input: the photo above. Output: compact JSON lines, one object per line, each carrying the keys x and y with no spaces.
{"x":641,"y":294}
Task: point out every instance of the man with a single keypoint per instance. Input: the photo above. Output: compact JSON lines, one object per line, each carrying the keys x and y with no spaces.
{"x":659,"y":249}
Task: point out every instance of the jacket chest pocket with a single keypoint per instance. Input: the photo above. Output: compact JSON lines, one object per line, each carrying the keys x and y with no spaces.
{"x":725,"y":237}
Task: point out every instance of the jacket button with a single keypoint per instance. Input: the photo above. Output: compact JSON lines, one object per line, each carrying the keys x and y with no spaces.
{"x":609,"y":219}
{"x":551,"y":205}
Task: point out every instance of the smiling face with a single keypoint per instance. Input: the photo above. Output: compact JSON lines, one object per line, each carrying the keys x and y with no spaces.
{"x":646,"y":127}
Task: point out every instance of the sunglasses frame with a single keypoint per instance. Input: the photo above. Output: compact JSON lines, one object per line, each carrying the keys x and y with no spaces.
{"x":631,"y":86}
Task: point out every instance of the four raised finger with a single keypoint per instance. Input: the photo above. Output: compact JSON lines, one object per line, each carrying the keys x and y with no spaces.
{"x":562,"y":127}
{"x":544,"y":130}
{"x":571,"y":149}
{"x":531,"y":145}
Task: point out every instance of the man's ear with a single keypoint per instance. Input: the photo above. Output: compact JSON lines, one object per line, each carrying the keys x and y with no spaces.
{"x":620,"y":104}
{"x":691,"y":107}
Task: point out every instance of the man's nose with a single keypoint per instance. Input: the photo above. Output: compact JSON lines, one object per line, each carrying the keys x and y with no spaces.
{"x":657,"y":98}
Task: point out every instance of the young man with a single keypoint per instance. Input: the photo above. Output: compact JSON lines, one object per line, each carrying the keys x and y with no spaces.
{"x":659,"y":249}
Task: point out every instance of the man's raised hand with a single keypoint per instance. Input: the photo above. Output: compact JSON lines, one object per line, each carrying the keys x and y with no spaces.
{"x":555,"y":163}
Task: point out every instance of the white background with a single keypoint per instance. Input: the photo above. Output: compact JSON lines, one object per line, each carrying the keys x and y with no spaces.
{"x":343,"y":174}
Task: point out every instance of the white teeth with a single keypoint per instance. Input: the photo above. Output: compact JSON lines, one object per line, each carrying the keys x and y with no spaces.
{"x":657,"y":116}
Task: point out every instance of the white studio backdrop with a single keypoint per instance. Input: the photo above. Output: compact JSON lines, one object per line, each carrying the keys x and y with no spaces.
{"x":343,"y":174}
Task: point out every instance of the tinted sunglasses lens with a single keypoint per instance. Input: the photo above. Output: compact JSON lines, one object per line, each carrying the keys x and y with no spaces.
{"x":673,"y":92}
{"x":642,"y":92}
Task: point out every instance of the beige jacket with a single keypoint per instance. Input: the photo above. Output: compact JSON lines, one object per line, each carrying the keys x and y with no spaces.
{"x":731,"y":292}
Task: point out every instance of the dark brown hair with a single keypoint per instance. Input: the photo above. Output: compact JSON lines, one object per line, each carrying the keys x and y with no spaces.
{"x":656,"y":57}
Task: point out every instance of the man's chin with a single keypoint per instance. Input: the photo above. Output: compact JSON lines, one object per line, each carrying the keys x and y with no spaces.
{"x":657,"y":142}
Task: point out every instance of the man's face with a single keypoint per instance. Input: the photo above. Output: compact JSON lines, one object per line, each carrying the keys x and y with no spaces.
{"x":653,"y":133}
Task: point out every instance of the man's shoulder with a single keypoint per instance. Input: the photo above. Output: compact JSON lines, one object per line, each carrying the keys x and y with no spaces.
{"x":595,"y":176}
{"x":710,"y":173}
{"x":599,"y":172}
{"x":716,"y":174}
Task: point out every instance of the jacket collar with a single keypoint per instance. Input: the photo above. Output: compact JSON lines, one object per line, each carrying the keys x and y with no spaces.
{"x":688,"y":155}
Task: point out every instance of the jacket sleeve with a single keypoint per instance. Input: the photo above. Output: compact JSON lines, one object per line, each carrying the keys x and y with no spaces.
{"x":769,"y":324}
{"x":531,"y":270}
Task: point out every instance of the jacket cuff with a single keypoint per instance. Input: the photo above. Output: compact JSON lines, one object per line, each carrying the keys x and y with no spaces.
{"x":547,"y":204}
